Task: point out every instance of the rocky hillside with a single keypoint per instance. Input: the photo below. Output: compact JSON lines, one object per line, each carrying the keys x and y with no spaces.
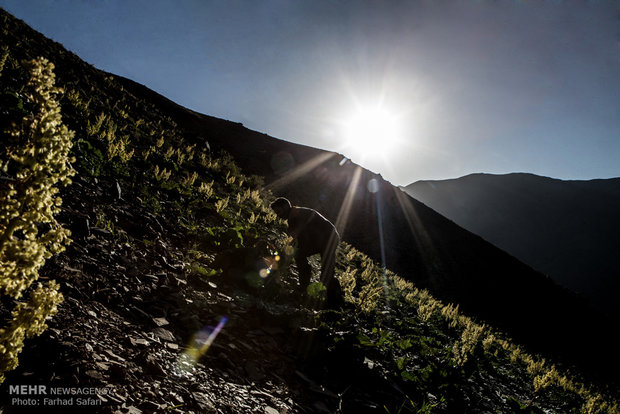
{"x":419,"y":244}
{"x":179,"y":291}
{"x":569,"y":230}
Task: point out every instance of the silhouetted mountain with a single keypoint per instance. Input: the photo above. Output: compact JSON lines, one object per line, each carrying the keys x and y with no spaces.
{"x":569,"y":230}
{"x":423,"y":246}
{"x":419,"y":244}
{"x":146,"y":233}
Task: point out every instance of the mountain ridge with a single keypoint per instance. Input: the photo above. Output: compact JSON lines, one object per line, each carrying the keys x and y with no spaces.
{"x":564,"y":228}
{"x":441,"y":260}
{"x":514,"y":173}
{"x":154,"y":204}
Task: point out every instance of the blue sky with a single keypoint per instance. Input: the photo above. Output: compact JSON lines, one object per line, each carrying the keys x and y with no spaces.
{"x":474,"y":86}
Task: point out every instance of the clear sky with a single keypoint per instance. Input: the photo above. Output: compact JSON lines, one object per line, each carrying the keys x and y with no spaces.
{"x":410,"y":89}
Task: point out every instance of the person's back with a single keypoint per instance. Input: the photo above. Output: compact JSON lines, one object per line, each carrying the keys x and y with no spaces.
{"x":314,"y":234}
{"x":312,"y":230}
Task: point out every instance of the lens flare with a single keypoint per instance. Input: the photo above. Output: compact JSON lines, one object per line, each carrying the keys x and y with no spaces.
{"x":373,"y":185}
{"x":198,"y":346}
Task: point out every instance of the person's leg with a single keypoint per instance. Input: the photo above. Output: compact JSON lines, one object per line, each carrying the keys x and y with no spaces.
{"x":328,"y":260}
{"x":304,"y":269}
{"x":328,"y":264}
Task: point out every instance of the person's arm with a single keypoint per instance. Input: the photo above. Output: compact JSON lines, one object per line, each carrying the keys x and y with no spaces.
{"x":291,"y":231}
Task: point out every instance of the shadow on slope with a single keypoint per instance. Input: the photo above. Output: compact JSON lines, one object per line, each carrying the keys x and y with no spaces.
{"x":412,"y":240}
{"x":569,"y":230}
{"x":421,"y":245}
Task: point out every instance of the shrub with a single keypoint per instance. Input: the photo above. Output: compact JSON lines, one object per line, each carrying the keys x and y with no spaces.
{"x":190,"y":179}
{"x":161,"y":175}
{"x":221,"y":204}
{"x":470,"y":339}
{"x":206,"y":189}
{"x":317,"y":290}
{"x":4,"y":54}
{"x":36,"y":163}
{"x":348,"y":282}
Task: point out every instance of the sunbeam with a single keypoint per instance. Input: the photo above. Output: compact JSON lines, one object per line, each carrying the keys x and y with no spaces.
{"x":374,"y":187}
{"x":345,"y":208}
{"x":299,"y":171}
{"x":417,"y":229}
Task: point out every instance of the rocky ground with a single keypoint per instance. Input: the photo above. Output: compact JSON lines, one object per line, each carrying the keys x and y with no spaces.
{"x":149,"y":325}
{"x":135,"y":313}
{"x":143,"y":329}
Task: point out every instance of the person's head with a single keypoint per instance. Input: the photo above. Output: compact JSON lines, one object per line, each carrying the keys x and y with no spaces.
{"x":281,"y":207}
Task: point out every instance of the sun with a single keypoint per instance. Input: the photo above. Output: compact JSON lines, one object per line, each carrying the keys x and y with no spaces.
{"x":371,"y":132}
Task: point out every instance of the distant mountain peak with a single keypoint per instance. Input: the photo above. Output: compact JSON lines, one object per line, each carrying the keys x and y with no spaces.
{"x":567,"y":229}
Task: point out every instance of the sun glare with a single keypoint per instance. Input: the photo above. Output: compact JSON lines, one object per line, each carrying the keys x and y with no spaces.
{"x":371,"y":132}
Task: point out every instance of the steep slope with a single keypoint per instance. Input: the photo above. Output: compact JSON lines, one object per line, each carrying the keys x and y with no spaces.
{"x":152,"y":207}
{"x":569,"y":230}
{"x":413,"y":240}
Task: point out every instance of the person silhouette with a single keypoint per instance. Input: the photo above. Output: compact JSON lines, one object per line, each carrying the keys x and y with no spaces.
{"x":314,"y":235}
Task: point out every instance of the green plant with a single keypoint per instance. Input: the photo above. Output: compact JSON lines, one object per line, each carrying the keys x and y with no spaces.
{"x":189,"y":152}
{"x":226,"y":237}
{"x":407,"y":404}
{"x":90,"y":158}
{"x":4,"y":54}
{"x":93,"y":129}
{"x":347,"y":283}
{"x":269,"y":217}
{"x":230,"y":179}
{"x":202,"y":271}
{"x":470,"y":339}
{"x":37,"y":164}
{"x":103,"y":222}
{"x":147,"y":153}
{"x":206,"y":189}
{"x":159,"y":142}
{"x":161,"y":175}
{"x":317,"y":290}
{"x":169,"y":153}
{"x":221,"y":204}
{"x":190,"y":179}
{"x":117,"y":146}
{"x":180,"y":156}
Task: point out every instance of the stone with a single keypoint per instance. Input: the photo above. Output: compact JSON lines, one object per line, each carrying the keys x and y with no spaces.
{"x":164,"y":334}
{"x":138,"y":341}
{"x":98,"y":231}
{"x":161,"y":321}
{"x":102,"y":365}
{"x":94,"y":374}
{"x":119,"y":194}
{"x":113,"y":355}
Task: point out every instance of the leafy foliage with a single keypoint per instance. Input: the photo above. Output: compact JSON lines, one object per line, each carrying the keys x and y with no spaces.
{"x":434,"y":347}
{"x":36,"y":161}
{"x":429,"y":350}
